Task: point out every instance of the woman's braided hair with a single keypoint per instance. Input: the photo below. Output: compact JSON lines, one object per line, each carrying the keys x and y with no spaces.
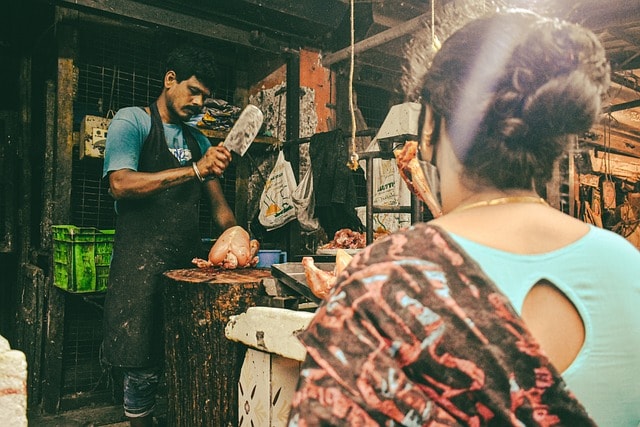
{"x":511,"y":87}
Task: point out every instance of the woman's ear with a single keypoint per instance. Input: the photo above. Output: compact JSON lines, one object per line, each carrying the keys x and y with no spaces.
{"x":425,"y":143}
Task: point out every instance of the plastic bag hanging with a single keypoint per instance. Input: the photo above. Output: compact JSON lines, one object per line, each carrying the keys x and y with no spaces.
{"x":304,"y":201}
{"x":276,"y":204}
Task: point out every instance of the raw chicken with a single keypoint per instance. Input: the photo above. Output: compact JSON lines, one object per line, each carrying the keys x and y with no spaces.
{"x":413,"y":176}
{"x":233,"y":249}
{"x":320,"y":281}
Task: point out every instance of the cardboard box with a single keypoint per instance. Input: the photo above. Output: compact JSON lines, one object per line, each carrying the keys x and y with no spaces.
{"x":93,"y":136}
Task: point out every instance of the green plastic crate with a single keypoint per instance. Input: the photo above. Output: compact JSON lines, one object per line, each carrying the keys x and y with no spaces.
{"x":81,"y":258}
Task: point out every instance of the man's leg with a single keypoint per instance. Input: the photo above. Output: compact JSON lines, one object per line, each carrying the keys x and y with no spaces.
{"x":140,"y":387}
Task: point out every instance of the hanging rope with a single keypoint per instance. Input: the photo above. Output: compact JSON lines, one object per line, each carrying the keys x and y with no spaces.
{"x":435,"y":42}
{"x":353,"y":159}
{"x":605,"y":160}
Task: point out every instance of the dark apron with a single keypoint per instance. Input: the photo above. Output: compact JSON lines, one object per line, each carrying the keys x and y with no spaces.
{"x":153,"y":235}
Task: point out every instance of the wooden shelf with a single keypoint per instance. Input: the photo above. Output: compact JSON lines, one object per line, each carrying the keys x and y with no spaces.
{"x":218,"y":134}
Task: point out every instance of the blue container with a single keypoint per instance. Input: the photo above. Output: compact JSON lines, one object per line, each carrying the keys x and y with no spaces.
{"x":268,"y":257}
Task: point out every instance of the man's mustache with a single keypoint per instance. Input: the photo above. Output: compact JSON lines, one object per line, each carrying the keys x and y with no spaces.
{"x":194,"y":110}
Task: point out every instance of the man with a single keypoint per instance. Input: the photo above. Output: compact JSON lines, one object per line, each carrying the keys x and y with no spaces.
{"x":157,"y":168}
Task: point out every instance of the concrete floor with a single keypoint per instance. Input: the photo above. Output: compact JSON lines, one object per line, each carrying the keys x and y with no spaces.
{"x":102,"y":416}
{"x":85,"y":417}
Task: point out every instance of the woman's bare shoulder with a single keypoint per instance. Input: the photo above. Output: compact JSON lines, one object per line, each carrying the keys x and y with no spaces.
{"x":522,"y":229}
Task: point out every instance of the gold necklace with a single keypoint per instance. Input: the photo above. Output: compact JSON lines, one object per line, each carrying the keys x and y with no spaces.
{"x":502,"y":201}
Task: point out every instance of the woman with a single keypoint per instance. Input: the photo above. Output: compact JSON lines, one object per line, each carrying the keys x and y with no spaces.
{"x":472,"y":318}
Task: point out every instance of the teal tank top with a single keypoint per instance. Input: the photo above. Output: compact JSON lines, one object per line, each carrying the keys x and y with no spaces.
{"x":600,"y":274}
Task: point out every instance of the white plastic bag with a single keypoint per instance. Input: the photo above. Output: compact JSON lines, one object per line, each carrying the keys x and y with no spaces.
{"x":388,"y":190}
{"x":304,"y":202}
{"x":276,"y":204}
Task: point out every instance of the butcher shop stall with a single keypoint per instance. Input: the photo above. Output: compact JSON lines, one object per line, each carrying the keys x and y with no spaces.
{"x":324,"y":163}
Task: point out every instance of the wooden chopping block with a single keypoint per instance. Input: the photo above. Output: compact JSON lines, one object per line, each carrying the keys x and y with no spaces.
{"x":202,"y":365}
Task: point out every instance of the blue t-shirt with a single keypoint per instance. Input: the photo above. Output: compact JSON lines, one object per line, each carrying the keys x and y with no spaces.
{"x":600,"y":275}
{"x":127,"y":132}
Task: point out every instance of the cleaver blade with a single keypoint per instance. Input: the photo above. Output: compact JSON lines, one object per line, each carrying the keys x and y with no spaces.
{"x":244,"y":130}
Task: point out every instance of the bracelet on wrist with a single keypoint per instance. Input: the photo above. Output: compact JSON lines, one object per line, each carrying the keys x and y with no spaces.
{"x":197,"y":171}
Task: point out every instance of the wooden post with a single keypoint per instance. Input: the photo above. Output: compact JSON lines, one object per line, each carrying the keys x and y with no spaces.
{"x":202,"y":365}
{"x":67,"y":40}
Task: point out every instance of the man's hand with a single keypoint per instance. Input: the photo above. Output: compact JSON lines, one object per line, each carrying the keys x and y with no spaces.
{"x":214,"y":161}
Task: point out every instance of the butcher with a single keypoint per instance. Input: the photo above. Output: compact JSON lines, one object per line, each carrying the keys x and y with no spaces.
{"x":157,"y":167}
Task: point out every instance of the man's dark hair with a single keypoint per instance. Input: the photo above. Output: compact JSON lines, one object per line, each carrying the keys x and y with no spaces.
{"x":189,"y":61}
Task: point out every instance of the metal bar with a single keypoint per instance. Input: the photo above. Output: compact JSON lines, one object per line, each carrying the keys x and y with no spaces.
{"x":414,"y":209}
{"x":364,"y":132}
{"x":369,"y":215}
{"x":391,"y":209}
{"x":292,"y":96}
{"x":376,"y":155}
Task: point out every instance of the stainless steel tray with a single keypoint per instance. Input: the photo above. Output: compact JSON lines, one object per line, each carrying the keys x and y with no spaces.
{"x":292,"y":275}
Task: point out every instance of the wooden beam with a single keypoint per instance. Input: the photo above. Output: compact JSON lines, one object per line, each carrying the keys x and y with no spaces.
{"x":622,"y":106}
{"x":621,"y":166}
{"x":628,"y":61}
{"x":67,"y":41}
{"x":622,"y":81}
{"x":323,"y":13}
{"x":49,"y":168}
{"x":67,"y":78}
{"x":9,"y":192}
{"x":623,"y":35}
{"x":598,"y":15}
{"x":151,"y":15}
{"x":376,"y":40}
{"x":617,"y":141}
{"x":30,"y":283}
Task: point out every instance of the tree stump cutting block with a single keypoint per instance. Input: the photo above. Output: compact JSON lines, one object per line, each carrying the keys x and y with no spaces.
{"x":202,"y":365}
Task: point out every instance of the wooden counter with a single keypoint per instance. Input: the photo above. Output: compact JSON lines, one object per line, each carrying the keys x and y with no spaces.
{"x":202,"y":365}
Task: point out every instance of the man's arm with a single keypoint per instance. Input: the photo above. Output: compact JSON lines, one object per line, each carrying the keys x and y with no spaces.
{"x":220,"y":211}
{"x":130,"y":184}
{"x":127,"y":183}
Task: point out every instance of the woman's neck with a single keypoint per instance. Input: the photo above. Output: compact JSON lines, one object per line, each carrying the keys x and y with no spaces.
{"x":485,"y":197}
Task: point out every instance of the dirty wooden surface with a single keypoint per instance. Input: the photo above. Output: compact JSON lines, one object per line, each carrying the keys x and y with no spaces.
{"x":202,"y":365}
{"x":217,"y":275}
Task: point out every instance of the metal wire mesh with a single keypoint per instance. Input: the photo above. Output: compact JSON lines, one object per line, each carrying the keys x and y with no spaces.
{"x":91,"y":204}
{"x":102,"y":90}
{"x":373,"y":104}
{"x":81,"y":370}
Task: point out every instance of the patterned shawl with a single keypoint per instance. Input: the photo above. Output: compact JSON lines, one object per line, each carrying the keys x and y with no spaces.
{"x":415,"y":334}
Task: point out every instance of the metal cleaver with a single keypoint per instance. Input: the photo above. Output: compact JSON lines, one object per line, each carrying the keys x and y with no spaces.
{"x":244,"y":130}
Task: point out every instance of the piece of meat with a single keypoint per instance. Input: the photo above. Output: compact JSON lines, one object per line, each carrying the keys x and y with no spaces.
{"x":346,"y":238}
{"x":413,"y":176}
{"x":320,"y":281}
{"x":233,"y":249}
